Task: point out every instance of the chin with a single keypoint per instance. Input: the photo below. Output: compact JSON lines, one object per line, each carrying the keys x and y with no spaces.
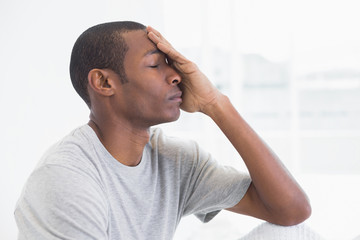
{"x":171,"y":118}
{"x":177,"y":116}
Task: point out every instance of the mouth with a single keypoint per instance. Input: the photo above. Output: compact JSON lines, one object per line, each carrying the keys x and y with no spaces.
{"x":176,"y":97}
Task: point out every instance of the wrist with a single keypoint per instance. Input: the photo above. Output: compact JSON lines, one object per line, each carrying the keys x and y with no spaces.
{"x":216,"y":106}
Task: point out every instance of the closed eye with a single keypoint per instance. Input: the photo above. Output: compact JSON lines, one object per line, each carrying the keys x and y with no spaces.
{"x":154,"y":66}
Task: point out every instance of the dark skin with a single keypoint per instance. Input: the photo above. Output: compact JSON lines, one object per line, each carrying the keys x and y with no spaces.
{"x":121,"y":115}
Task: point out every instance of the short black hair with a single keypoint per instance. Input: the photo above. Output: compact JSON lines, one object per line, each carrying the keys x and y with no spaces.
{"x":101,"y":46}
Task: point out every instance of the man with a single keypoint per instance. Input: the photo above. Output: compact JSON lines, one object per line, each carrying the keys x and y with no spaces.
{"x":116,"y":178}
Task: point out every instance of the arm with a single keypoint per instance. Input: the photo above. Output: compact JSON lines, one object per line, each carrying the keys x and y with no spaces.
{"x":274,"y":195}
{"x":62,"y":203}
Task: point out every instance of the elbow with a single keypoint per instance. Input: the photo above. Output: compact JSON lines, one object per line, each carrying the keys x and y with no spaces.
{"x":300,"y":215}
{"x":305,"y":212}
{"x":294,"y":213}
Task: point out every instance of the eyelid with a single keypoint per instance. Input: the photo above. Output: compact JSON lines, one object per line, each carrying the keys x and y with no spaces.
{"x":166,"y":60}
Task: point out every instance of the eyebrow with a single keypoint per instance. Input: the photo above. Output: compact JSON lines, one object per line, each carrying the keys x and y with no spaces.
{"x":152,"y":51}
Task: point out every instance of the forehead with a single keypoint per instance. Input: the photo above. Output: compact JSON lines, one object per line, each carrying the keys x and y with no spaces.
{"x":138,"y":43}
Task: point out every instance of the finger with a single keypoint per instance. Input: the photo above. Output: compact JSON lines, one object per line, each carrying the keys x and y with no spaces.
{"x":151,"y":29}
{"x":153,"y":37}
{"x":171,"y":53}
{"x":166,"y":48}
{"x":157,"y":34}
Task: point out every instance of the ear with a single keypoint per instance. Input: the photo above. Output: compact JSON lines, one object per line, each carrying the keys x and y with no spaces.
{"x":100,"y":82}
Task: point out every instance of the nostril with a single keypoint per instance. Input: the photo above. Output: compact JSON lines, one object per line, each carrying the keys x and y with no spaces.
{"x":175,"y":81}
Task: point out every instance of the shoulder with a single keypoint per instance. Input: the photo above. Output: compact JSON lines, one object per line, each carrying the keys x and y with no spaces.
{"x":75,"y":150}
{"x":70,"y":163}
{"x":182,"y":152}
{"x":66,"y":186}
{"x":56,"y":196}
{"x":171,"y":145}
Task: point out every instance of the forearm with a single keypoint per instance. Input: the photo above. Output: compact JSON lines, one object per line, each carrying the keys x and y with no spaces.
{"x":273,"y":191}
{"x":274,"y":185}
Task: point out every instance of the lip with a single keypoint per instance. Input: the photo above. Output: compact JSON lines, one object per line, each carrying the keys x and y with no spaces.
{"x":176,"y":97}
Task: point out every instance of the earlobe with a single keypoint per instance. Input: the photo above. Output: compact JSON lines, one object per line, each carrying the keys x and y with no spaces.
{"x":99,"y":82}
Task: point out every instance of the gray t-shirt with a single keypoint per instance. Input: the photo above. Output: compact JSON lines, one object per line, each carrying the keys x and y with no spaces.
{"x":79,"y":191}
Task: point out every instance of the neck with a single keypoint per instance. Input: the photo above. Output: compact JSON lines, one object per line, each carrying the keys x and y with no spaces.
{"x":124,"y":142}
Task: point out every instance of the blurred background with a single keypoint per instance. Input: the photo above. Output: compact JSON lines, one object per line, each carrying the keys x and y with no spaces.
{"x":291,"y":67}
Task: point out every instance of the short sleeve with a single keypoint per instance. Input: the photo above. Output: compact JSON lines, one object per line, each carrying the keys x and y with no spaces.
{"x":214,"y":187}
{"x":61,"y":202}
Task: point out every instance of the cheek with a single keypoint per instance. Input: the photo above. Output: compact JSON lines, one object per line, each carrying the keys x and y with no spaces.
{"x":147,"y":96}
{"x":148,"y":86}
{"x":153,"y":90}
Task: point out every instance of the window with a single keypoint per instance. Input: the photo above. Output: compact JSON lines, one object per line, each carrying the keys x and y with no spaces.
{"x":292,"y":68}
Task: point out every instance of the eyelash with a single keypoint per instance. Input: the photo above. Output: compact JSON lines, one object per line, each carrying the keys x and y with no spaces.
{"x":157,"y":65}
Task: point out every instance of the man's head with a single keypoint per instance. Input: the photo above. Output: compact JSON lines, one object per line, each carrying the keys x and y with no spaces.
{"x":103,"y":47}
{"x":123,"y":76}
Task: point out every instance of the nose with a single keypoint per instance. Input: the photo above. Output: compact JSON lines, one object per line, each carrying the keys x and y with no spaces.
{"x":173,"y":77}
